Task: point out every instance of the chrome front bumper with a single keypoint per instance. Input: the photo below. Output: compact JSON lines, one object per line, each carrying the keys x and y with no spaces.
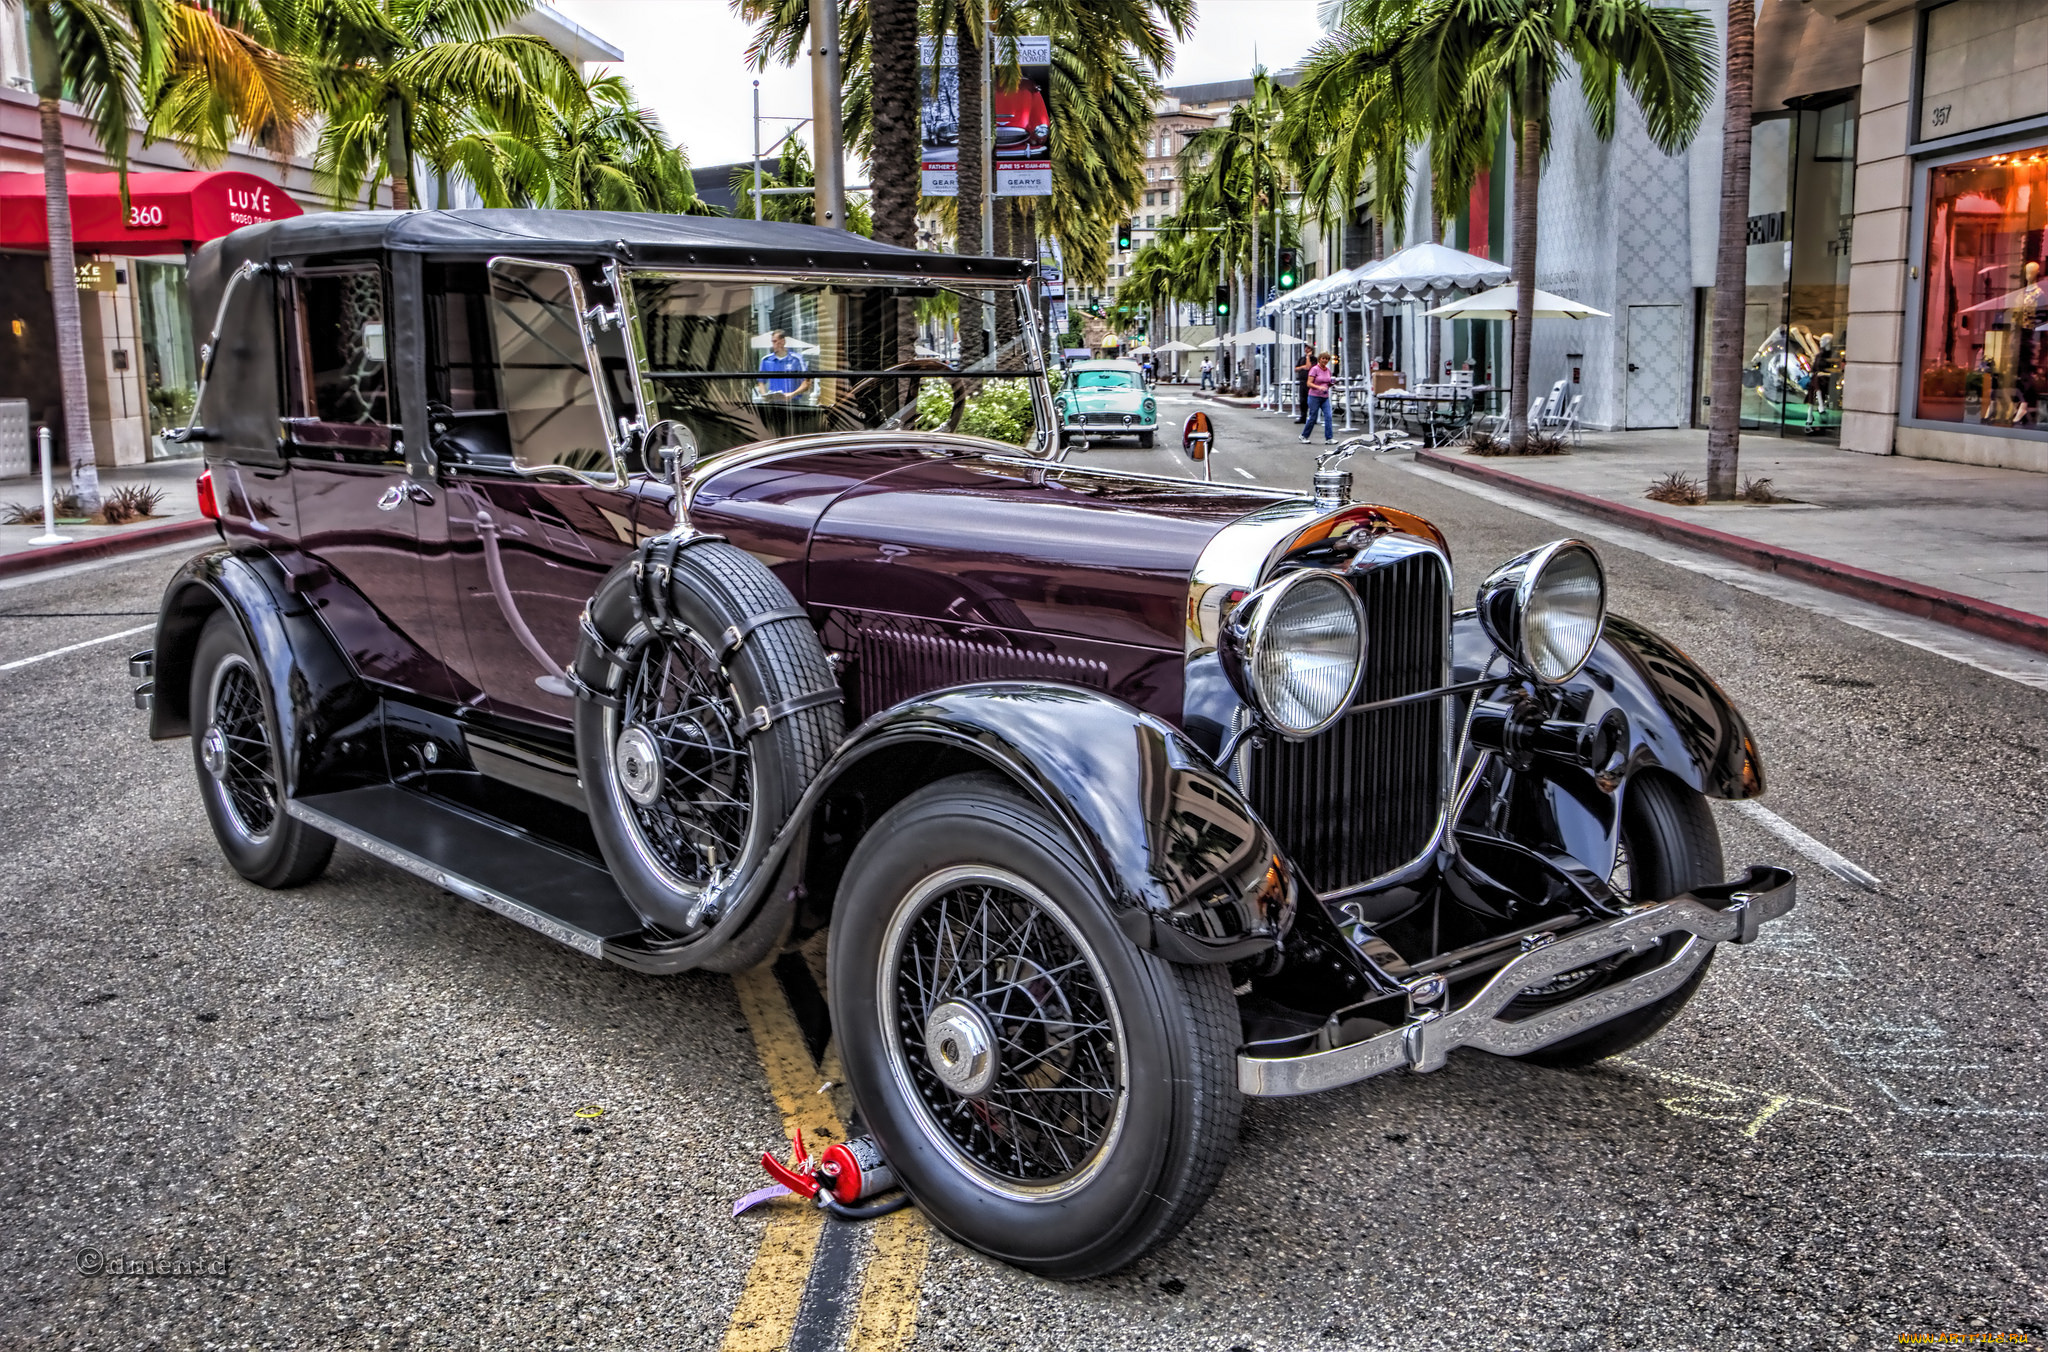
{"x":1730,"y":912}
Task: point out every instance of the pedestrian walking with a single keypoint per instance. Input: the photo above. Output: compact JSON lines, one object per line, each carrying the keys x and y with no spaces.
{"x":1208,"y":374}
{"x":1317,"y":387}
{"x":1301,"y":370}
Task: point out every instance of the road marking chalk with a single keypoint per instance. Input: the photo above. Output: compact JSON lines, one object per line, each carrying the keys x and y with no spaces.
{"x":1806,"y":845}
{"x":20,"y":662}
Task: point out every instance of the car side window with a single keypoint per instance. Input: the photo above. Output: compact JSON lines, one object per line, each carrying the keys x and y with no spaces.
{"x":340,"y":397}
{"x":544,"y":387}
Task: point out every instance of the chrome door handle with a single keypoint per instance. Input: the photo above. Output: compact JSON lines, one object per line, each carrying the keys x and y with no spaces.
{"x":399,"y":492}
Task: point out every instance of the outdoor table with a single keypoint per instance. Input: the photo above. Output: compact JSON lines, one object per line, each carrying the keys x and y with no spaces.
{"x":1436,"y":418}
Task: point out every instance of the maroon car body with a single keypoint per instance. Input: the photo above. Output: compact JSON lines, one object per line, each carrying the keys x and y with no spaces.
{"x":629,"y":576}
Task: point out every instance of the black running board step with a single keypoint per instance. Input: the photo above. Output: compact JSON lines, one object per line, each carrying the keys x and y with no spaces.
{"x":569,"y":900}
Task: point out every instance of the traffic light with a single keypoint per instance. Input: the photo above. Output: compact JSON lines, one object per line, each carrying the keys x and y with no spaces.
{"x":1123,"y":237}
{"x":1288,"y":273}
{"x":1222,"y":300}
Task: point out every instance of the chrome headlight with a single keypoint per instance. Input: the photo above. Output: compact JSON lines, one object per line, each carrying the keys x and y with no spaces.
{"x":1296,"y":650}
{"x":1545,"y":608}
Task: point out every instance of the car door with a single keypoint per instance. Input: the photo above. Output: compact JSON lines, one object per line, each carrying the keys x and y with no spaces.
{"x":531,"y":479}
{"x":358,"y":506}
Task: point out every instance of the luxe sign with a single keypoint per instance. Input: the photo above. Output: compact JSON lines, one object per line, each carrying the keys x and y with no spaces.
{"x":164,"y":213}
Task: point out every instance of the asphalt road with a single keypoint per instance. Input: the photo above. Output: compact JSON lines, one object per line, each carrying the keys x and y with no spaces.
{"x":354,"y":1107}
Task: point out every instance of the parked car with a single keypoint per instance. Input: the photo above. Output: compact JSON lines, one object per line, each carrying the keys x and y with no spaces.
{"x":1021,"y":120}
{"x":1123,"y":798}
{"x":1104,"y":398}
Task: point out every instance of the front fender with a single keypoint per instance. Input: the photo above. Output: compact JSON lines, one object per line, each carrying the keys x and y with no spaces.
{"x":1679,"y":720}
{"x":313,"y":688}
{"x":1190,"y":870}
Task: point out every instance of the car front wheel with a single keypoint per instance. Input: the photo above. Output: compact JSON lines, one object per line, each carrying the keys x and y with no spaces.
{"x":234,"y":749}
{"x":1145,"y":440}
{"x":1047,"y":1093}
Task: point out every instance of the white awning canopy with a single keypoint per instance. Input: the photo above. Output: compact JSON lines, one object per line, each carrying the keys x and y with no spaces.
{"x":1499,"y":303}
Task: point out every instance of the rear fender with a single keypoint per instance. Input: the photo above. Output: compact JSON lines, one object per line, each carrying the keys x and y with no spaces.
{"x":314,"y":690}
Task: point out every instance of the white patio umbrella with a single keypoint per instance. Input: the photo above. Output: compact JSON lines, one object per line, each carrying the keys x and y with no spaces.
{"x":762,"y":342}
{"x":1262,"y":334}
{"x":1204,"y":347}
{"x":1176,"y":345}
{"x":1499,"y":303}
{"x":1429,"y":268}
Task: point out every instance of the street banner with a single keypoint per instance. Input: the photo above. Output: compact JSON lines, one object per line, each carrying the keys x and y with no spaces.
{"x":1020,"y":119}
{"x":1059,"y":316}
{"x":1053,"y":280}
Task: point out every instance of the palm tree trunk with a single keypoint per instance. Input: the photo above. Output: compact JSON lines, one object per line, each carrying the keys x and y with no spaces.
{"x":70,"y":334}
{"x":967,"y":206}
{"x":1731,"y":261}
{"x":1528,"y":177}
{"x":892,"y":42}
{"x":892,"y":45}
{"x":398,"y":154}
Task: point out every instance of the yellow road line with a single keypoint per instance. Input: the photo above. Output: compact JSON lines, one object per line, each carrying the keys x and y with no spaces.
{"x":887,"y":1315}
{"x":765,"y":1315}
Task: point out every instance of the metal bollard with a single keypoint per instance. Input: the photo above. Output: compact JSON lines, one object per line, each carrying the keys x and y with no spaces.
{"x":49,"y":535}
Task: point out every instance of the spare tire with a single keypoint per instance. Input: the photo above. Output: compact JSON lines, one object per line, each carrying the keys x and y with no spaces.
{"x":706,"y":709}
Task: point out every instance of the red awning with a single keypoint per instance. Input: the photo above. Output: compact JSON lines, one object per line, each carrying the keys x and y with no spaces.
{"x":166,"y":212}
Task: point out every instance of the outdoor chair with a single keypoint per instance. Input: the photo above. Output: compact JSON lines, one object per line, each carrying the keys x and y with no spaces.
{"x":1553,"y":406}
{"x":1569,"y":421}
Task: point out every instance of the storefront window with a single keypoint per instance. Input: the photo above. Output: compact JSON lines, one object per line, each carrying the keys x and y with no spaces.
{"x":1802,"y":202}
{"x":1984,"y":335}
{"x":167,"y":356}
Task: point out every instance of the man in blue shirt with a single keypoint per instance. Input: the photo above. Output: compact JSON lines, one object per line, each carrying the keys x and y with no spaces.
{"x":782,"y":389}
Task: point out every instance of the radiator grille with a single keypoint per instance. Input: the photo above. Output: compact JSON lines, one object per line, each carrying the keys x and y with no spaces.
{"x":1363,"y":797}
{"x":896,"y":664}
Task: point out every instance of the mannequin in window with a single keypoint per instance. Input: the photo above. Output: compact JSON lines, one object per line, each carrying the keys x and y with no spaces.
{"x":2029,"y":380}
{"x":1820,"y":385}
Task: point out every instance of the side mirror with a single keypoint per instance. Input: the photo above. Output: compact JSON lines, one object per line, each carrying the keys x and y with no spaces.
{"x":668,"y":450}
{"x":1197,"y":436}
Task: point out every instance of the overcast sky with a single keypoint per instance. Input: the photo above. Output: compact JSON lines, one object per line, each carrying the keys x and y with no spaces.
{"x":687,"y":61}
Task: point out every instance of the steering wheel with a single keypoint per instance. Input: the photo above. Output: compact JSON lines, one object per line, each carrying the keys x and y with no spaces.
{"x":928,"y":364}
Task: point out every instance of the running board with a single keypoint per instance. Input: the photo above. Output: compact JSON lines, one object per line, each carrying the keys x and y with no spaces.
{"x":571,"y":901}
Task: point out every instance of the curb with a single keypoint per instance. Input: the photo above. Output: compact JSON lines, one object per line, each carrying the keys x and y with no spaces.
{"x":34,"y":559}
{"x":1987,"y":619}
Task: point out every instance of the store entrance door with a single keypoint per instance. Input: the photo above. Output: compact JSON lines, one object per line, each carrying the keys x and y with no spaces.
{"x":1656,"y":378}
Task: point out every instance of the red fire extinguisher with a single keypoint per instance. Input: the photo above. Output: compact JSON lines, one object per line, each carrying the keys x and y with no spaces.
{"x":846,"y":1174}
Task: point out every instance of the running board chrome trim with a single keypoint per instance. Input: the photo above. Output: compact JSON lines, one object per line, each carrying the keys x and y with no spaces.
{"x":488,"y":898}
{"x":1729,"y":912}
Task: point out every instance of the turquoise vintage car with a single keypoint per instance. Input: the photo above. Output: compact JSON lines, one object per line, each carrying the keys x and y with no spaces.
{"x":1107,"y":398}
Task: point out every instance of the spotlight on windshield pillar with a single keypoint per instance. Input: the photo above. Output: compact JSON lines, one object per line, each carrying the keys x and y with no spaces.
{"x":1123,"y":237}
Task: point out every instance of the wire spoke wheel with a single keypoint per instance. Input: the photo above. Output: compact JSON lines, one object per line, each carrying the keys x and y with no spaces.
{"x":238,"y":740}
{"x":696,"y":821}
{"x":1002,"y":1026}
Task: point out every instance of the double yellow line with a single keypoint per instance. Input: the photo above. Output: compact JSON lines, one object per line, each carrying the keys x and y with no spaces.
{"x":765,"y":1317}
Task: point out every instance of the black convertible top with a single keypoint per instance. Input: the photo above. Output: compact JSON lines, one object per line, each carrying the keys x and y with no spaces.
{"x":634,"y":237}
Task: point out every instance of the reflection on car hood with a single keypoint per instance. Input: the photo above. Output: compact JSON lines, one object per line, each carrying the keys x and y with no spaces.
{"x":976,"y":539}
{"x":1104,"y":401}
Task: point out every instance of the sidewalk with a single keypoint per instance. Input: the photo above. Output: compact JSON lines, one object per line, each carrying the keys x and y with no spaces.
{"x":179,"y":513}
{"x":1922,"y":536}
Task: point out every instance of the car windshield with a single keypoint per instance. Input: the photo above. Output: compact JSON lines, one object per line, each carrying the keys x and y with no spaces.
{"x":1105,"y":380}
{"x":741,"y":359}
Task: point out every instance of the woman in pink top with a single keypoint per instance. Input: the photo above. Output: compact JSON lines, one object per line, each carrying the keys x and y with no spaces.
{"x":1319,"y":382}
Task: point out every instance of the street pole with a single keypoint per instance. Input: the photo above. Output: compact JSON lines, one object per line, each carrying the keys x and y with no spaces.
{"x":828,"y":157}
{"x":49,"y":535}
{"x":988,"y":140}
{"x":757,"y":150}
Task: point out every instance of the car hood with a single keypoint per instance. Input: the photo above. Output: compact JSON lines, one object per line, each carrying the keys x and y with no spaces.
{"x":974,"y":537}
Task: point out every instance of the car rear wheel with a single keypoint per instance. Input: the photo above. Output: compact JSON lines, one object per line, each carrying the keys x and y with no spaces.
{"x":1668,"y":846}
{"x":234,"y":750}
{"x":1049,"y":1094}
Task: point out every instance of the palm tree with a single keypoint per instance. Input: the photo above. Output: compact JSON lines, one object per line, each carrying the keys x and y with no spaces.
{"x":383,"y":69}
{"x":1731,"y":260}
{"x":230,"y":72}
{"x":597,"y":149}
{"x":1346,"y":131}
{"x":1468,"y":67}
{"x":104,"y":55}
{"x":1234,"y":171}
